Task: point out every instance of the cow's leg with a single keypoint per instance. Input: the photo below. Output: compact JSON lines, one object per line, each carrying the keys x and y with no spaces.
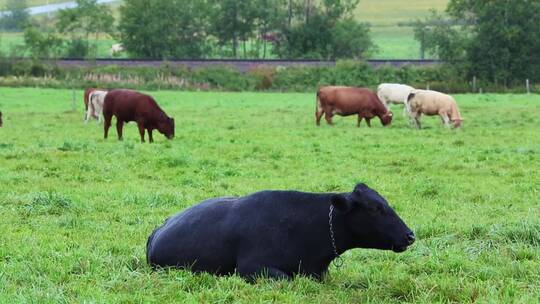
{"x":107,"y":124}
{"x":414,"y":119}
{"x":87,"y":116}
{"x":445,"y":119}
{"x":328,"y":117}
{"x":359,"y":121}
{"x":318,"y":116}
{"x":119,"y":126}
{"x":251,"y":272}
{"x":368,"y":122}
{"x":141,"y":130}
{"x":150,"y":138}
{"x":417,"y":122}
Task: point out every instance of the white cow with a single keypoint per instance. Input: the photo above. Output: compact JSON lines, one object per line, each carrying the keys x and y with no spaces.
{"x":95,"y":105}
{"x":433,"y":103}
{"x":394,"y":93}
{"x":116,"y":48}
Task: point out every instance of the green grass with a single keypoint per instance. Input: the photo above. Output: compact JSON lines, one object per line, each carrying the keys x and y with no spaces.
{"x":392,"y":12}
{"x":76,"y":210}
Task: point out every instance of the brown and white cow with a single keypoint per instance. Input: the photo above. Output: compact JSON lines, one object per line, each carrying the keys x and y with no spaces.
{"x":433,"y":103}
{"x":345,"y":101}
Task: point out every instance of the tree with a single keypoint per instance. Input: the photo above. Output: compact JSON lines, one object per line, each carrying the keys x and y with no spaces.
{"x":16,"y":16}
{"x":86,"y":19}
{"x":165,"y":29}
{"x":234,"y":20}
{"x":350,"y":39}
{"x":323,"y":29}
{"x":270,"y":15}
{"x":496,"y":40}
{"x":42,"y":44}
{"x":442,"y":36}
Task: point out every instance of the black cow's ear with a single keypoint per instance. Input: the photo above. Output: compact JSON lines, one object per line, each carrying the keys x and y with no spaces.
{"x":341,"y":202}
{"x":360,"y":188}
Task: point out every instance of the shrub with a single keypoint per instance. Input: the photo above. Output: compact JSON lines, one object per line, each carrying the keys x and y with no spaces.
{"x":294,"y":78}
{"x":223,"y":77}
{"x":263,"y":77}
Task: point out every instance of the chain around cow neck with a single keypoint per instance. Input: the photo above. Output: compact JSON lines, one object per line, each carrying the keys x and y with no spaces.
{"x":337,"y":261}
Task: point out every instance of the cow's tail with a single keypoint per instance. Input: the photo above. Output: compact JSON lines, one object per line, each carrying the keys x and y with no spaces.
{"x":408,"y":101}
{"x":318,"y":105}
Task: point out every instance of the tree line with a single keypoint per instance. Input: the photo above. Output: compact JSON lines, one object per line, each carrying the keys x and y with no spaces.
{"x":497,"y":40}
{"x":248,"y":29}
{"x":155,"y":29}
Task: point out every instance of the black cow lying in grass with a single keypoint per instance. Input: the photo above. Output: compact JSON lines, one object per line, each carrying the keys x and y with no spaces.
{"x":276,"y":233}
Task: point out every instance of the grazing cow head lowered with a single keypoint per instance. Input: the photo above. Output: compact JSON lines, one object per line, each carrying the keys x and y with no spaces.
{"x":371,"y":222}
{"x":166,"y":127}
{"x":386,"y":119}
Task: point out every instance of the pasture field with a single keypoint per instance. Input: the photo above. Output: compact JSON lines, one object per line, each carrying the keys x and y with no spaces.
{"x":76,"y":210}
{"x":12,"y":44}
{"x":33,"y":2}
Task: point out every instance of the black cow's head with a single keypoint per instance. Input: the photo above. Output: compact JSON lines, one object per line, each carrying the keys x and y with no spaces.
{"x":371,"y":221}
{"x":166,"y":127}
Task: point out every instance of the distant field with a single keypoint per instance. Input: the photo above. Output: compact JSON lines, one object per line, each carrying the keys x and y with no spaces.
{"x":395,"y":42}
{"x":10,"y":42}
{"x":390,"y":12}
{"x":33,"y":2}
{"x":76,"y":210}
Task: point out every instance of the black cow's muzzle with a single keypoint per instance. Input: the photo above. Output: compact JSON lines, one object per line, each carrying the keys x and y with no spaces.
{"x":409,"y":240}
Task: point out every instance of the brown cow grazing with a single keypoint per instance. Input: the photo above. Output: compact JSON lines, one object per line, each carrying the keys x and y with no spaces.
{"x":1,"y":123}
{"x":346,"y":101}
{"x":128,"y":106}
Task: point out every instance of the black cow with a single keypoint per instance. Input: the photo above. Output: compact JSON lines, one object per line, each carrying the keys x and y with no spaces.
{"x":276,"y":233}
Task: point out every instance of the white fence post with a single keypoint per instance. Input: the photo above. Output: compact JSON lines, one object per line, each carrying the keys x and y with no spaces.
{"x":474,"y":84}
{"x":528,"y":85}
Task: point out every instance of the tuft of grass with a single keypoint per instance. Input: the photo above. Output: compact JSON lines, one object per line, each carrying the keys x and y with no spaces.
{"x":51,"y":203}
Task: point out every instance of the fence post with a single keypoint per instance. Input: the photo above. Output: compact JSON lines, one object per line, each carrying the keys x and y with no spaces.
{"x":427,"y":86}
{"x":474,"y":84}
{"x":73,"y":106}
{"x":528,"y":85}
{"x":480,"y":91}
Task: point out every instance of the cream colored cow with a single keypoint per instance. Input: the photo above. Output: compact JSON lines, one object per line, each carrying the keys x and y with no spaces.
{"x":95,"y":104}
{"x":433,"y":103}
